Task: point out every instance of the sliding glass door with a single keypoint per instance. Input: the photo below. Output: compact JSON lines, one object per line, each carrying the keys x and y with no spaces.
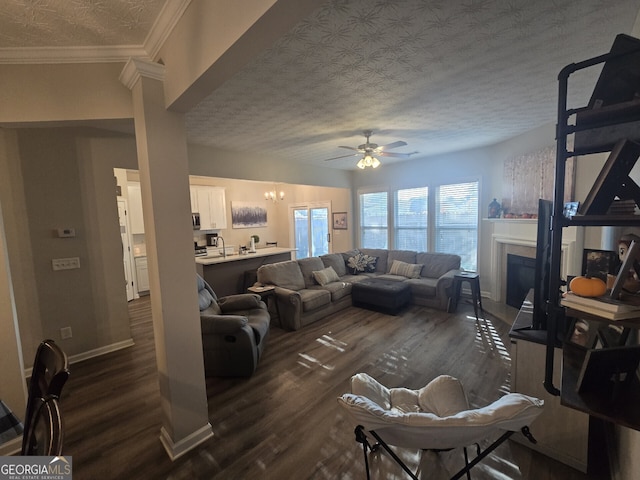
{"x":310,"y":227}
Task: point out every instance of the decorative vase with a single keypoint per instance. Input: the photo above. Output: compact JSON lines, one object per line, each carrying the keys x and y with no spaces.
{"x":494,"y":209}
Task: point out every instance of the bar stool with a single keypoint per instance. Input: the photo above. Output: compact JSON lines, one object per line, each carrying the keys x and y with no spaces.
{"x":474,"y":282}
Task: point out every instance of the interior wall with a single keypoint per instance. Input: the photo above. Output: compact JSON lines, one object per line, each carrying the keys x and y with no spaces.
{"x":18,"y":240}
{"x":63,"y":92}
{"x":64,"y":187}
{"x":213,"y":162}
{"x":53,"y":199}
{"x":12,"y":385}
{"x":98,"y":189}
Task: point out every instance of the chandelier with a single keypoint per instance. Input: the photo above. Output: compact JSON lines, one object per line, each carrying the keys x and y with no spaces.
{"x":274,"y":196}
{"x":368,"y":161}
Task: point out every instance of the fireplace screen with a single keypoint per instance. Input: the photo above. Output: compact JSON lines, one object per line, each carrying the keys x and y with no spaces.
{"x":520,"y":278}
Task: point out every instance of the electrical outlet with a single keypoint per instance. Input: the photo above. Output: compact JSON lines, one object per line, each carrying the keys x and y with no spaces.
{"x":65,"y":332}
{"x":65,"y":263}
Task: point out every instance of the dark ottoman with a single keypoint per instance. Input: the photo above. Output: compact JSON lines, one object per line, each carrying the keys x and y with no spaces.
{"x":384,"y":295}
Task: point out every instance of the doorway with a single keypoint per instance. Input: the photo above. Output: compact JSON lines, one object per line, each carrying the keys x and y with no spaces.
{"x":127,"y":259}
{"x":310,"y":229}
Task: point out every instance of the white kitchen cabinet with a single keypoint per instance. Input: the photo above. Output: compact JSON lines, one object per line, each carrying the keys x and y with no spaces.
{"x":136,"y":218}
{"x":193,"y":192}
{"x":218,"y":208}
{"x":209,"y":202}
{"x":142,"y":274}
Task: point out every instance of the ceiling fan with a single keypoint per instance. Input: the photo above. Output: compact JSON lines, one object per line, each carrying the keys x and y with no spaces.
{"x":370,"y":151}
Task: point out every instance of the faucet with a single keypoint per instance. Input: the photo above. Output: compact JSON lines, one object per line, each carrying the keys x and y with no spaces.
{"x":224,"y":250}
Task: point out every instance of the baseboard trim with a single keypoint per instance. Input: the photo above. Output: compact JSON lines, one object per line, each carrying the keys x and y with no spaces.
{"x":176,"y":449}
{"x":96,"y":352}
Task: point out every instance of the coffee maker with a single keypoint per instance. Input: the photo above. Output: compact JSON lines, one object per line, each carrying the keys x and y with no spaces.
{"x":212,"y":239}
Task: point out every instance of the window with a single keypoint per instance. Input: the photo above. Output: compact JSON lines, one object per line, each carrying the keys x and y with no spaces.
{"x":411,"y":219}
{"x":456,"y":228}
{"x":447,"y":222}
{"x":373,"y":220}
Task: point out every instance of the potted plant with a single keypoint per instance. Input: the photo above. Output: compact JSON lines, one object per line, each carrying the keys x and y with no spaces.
{"x":254,"y":240}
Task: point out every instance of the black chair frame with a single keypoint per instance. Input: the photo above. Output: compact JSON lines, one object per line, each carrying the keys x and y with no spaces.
{"x":49,"y":374}
{"x":361,"y":437}
{"x":45,"y":436}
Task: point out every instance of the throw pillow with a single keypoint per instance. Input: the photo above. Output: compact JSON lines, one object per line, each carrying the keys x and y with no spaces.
{"x":241,"y":301}
{"x":361,"y":263}
{"x":443,"y":396}
{"x":326,"y":275}
{"x":409,"y":270}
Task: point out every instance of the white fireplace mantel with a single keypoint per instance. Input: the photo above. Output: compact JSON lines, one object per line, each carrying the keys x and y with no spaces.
{"x":520,"y":238}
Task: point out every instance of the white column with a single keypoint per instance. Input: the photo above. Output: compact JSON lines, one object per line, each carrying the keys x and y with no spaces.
{"x":13,"y":390}
{"x":164,"y":180}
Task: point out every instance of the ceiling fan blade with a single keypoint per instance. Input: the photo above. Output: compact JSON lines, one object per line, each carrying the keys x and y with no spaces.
{"x":393,"y":154}
{"x":397,"y":144}
{"x":342,"y":156}
{"x":349,"y":148}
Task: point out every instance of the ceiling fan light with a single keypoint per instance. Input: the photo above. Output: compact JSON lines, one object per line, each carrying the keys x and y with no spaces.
{"x":368,"y":160}
{"x":375,"y":163}
{"x":361,"y":164}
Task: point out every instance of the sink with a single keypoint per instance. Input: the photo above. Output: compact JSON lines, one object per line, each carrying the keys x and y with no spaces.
{"x":219,"y":255}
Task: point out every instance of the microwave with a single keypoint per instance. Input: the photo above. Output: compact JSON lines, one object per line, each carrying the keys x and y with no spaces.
{"x":195,"y":220}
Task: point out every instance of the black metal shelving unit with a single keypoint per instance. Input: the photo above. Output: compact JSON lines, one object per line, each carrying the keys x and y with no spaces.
{"x":624,"y":118}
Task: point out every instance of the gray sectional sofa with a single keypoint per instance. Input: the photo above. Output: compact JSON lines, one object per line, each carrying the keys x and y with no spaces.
{"x":309,"y":289}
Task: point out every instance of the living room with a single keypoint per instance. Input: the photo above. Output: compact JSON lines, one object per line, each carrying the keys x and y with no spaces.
{"x":60,"y":176}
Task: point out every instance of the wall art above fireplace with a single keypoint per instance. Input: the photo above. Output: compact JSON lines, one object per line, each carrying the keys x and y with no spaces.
{"x":529,"y":177}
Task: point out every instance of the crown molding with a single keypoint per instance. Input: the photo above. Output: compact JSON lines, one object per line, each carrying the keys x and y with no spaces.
{"x":167,"y":19}
{"x":136,"y":68}
{"x":53,"y":55}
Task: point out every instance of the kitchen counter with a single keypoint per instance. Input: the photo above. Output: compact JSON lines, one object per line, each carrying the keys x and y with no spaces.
{"x":234,"y":273}
{"x":260,"y":252}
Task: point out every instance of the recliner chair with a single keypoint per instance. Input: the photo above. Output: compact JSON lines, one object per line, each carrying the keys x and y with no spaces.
{"x":234,"y":332}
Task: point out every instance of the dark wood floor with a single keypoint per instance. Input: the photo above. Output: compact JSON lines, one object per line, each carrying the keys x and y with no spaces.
{"x":284,"y":422}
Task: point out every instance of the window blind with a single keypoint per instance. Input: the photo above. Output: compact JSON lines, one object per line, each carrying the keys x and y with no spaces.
{"x":373,"y":220}
{"x":411,"y":219}
{"x":456,"y":226}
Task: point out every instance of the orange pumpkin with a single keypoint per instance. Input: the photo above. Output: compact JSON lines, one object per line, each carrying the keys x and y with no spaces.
{"x":588,"y":286}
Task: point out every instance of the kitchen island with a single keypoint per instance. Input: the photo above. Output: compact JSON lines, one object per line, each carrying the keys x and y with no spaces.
{"x":227,"y":275}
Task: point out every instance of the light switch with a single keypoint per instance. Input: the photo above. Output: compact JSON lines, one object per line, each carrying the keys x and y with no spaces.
{"x":65,"y":263}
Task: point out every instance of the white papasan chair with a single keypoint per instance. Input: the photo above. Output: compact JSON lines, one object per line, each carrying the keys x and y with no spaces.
{"x":435,"y":417}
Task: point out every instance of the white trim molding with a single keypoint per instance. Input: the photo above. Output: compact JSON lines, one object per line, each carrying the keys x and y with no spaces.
{"x":96,"y":352}
{"x":136,"y":68}
{"x":176,"y":449}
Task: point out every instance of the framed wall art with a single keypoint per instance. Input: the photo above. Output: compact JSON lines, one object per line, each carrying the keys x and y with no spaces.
{"x":248,"y":215}
{"x":340,"y":221}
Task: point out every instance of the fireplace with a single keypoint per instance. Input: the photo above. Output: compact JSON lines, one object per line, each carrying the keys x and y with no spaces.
{"x":520,"y":278}
{"x":518,"y":237}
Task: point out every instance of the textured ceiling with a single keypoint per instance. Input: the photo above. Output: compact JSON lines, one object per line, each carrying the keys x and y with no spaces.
{"x":76,"y":23}
{"x":440,"y":75}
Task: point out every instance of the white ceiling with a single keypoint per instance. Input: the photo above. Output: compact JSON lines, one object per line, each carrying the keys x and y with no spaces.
{"x":441,"y":75}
